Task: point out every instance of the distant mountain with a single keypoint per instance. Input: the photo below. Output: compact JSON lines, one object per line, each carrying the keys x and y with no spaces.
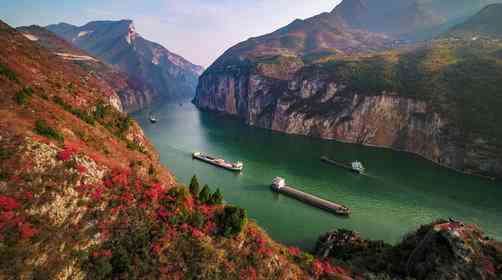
{"x":487,"y":23}
{"x":117,"y":43}
{"x":409,"y":19}
{"x":133,"y":93}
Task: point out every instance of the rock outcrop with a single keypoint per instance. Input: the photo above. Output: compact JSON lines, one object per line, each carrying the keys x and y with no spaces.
{"x":441,"y":250}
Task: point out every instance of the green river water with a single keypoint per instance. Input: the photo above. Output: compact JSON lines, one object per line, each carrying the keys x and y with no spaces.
{"x":399,"y":192}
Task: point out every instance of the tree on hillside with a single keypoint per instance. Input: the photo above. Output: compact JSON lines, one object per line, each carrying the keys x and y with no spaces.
{"x":205,"y":194}
{"x":194,"y":186}
{"x":231,"y":221}
{"x":216,"y":198}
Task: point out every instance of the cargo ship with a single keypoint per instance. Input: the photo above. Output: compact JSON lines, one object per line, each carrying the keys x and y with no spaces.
{"x":354,"y":166}
{"x":238,"y":166}
{"x":279,"y":185}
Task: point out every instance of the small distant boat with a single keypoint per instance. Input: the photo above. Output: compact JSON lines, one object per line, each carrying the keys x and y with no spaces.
{"x":238,"y":166}
{"x":354,"y":166}
{"x":153,"y":119}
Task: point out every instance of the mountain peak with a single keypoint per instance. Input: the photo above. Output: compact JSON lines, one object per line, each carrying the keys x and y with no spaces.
{"x":486,"y":23}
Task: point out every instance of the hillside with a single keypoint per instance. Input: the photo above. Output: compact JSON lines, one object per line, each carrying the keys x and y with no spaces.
{"x":437,"y":99}
{"x":84,"y":196}
{"x":117,"y":43}
{"x":134,"y":94}
{"x":485,"y":24}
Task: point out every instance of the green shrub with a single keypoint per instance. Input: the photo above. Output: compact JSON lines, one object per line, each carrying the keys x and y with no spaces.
{"x":134,"y":146}
{"x":216,"y":198}
{"x":205,"y":194}
{"x":24,"y":95}
{"x":76,"y":112}
{"x":231,"y":221}
{"x":42,"y":128}
{"x":197,"y":219}
{"x":194,"y":186}
{"x":6,"y":72}
{"x":151,"y":171}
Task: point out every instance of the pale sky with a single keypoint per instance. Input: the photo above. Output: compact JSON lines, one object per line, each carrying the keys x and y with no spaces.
{"x":199,"y":30}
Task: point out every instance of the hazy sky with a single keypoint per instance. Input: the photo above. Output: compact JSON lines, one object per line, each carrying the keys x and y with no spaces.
{"x":199,"y":30}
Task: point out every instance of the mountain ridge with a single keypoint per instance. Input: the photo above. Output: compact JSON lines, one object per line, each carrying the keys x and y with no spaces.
{"x":117,"y":43}
{"x":348,"y":92}
{"x":133,"y":93}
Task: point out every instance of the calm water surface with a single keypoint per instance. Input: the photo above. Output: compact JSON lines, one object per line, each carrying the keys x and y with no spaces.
{"x":399,"y":193}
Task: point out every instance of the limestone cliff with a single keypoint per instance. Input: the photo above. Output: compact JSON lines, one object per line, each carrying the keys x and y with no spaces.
{"x":320,"y":101}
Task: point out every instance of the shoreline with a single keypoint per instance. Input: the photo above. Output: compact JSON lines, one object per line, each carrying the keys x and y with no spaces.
{"x":234,"y":117}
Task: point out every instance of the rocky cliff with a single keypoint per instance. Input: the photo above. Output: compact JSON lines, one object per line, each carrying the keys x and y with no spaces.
{"x":435,"y":99}
{"x":167,"y":75}
{"x":441,"y":250}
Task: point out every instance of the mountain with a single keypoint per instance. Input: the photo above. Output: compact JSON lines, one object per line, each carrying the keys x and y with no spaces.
{"x":408,"y":19}
{"x":83,"y":194}
{"x":117,"y":43}
{"x":134,"y":94}
{"x":484,"y":24}
{"x":437,"y":99}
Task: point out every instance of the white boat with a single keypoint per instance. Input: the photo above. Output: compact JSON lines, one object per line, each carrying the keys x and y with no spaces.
{"x":355,"y":166}
{"x":153,"y":119}
{"x":238,"y":166}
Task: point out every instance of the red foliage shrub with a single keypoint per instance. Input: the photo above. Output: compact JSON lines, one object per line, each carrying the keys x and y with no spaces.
{"x":27,"y":230}
{"x":207,"y":211}
{"x":8,"y":203}
{"x":196,"y":233}
{"x":67,"y":153}
{"x":248,"y":274}
{"x":294,"y":251}
{"x":27,"y":195}
{"x":81,"y":169}
{"x":317,"y":268}
{"x":188,"y":203}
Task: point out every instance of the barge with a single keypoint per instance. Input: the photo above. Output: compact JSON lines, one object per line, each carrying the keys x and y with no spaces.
{"x":279,"y":185}
{"x":238,"y":166}
{"x":355,"y":166}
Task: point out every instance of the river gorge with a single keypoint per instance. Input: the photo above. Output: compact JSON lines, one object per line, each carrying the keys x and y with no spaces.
{"x":399,"y":192}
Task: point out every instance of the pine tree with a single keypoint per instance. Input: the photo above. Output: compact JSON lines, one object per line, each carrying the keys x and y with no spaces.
{"x":216,"y":198}
{"x":205,"y":194}
{"x":194,"y":186}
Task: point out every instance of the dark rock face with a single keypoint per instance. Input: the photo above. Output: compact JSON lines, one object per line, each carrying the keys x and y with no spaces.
{"x":169,"y":76}
{"x":442,"y":250}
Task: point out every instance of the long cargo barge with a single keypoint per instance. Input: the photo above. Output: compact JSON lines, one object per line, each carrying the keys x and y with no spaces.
{"x":354,"y":166}
{"x":238,"y":166}
{"x":279,"y":185}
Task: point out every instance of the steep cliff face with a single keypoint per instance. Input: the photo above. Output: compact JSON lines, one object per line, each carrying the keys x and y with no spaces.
{"x":167,"y":75}
{"x":437,"y":99}
{"x":426,"y":113}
